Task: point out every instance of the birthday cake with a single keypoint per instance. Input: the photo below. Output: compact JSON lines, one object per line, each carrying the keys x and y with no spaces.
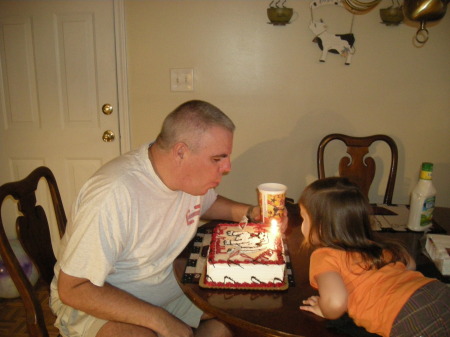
{"x":250,"y":256}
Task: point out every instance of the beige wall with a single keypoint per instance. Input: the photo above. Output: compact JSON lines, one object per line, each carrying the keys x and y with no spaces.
{"x":269,"y":80}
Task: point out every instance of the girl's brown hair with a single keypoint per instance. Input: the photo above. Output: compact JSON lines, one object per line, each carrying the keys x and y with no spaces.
{"x":340,"y":218}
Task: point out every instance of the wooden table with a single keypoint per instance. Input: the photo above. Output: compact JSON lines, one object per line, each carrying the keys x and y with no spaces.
{"x":276,"y":313}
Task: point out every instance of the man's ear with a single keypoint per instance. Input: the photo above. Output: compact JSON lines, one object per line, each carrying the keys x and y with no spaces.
{"x":179,"y":151}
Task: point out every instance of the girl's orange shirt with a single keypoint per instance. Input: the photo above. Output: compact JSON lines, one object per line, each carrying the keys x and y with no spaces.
{"x":375,"y":297}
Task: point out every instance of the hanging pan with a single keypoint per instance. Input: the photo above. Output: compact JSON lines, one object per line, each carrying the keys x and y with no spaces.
{"x":423,"y":11}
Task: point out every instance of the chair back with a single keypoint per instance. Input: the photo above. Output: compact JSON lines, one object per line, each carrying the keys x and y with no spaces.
{"x":34,"y":234}
{"x":358,"y":166}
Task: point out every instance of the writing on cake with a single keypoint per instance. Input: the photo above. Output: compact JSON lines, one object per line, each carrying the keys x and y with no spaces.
{"x":252,"y":256}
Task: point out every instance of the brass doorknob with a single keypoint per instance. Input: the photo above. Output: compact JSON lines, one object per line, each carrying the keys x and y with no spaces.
{"x":107,"y":109}
{"x":108,"y":136}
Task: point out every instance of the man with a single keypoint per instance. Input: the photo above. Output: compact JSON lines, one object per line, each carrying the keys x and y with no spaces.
{"x":131,"y":220}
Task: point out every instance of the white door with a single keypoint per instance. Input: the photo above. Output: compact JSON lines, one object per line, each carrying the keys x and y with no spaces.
{"x":57,"y":70}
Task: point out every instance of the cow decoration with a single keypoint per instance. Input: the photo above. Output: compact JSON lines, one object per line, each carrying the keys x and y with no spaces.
{"x":334,"y":43}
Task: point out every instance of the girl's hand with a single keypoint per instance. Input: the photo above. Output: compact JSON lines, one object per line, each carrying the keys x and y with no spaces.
{"x":312,"y":305}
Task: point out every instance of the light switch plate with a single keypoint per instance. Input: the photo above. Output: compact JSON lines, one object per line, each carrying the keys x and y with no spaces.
{"x":182,"y":79}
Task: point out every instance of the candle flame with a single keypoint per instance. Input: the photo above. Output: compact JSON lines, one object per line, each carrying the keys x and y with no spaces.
{"x":274,"y":227}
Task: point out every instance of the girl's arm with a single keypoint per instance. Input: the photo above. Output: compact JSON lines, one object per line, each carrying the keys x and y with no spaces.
{"x":411,"y":265}
{"x":332,"y":300}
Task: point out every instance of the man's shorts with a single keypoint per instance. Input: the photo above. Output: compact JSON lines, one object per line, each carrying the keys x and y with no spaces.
{"x":74,"y":323}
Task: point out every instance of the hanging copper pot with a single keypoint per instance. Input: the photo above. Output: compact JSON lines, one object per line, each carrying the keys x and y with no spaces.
{"x":423,"y":11}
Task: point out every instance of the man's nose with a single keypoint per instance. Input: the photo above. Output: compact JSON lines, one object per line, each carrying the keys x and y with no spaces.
{"x":226,"y":167}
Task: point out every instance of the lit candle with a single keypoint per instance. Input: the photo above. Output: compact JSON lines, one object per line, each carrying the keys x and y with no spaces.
{"x":274,"y":227}
{"x":274,"y":230}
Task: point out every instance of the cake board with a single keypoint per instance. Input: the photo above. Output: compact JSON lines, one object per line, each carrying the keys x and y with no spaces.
{"x":282,"y":287}
{"x":195,"y":270}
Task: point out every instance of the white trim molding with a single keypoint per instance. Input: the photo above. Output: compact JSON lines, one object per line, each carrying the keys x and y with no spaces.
{"x":122,"y":75}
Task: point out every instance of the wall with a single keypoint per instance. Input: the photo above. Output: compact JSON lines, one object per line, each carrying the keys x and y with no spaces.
{"x":269,"y":80}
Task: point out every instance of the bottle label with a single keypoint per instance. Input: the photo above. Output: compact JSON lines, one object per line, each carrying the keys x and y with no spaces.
{"x":427,"y":175}
{"x":427,"y":211}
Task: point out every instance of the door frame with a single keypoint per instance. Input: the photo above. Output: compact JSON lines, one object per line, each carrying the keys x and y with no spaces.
{"x":122,"y":75}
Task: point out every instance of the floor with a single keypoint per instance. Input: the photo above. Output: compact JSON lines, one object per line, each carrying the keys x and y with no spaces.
{"x":12,"y":316}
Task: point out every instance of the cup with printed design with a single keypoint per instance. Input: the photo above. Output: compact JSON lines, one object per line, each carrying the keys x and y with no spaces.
{"x":271,"y":197}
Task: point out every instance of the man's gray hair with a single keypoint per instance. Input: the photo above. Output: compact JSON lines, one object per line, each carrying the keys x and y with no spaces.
{"x":189,"y":121}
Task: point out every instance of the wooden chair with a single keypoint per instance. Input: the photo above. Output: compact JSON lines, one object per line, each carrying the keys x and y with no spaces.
{"x":34,"y":235}
{"x":358,"y":166}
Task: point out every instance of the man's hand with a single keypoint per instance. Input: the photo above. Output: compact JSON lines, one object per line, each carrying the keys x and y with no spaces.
{"x":284,"y":221}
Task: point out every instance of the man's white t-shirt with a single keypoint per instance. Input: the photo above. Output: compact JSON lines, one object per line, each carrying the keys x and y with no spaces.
{"x":128,"y":228}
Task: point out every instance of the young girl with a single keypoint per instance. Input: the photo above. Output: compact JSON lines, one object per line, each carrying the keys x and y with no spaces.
{"x":372,"y":280}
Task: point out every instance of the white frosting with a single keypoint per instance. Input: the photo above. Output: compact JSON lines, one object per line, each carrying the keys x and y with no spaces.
{"x":249,"y":256}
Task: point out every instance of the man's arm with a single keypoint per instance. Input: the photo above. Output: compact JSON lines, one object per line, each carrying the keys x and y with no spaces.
{"x":113,"y":304}
{"x":227,"y":209}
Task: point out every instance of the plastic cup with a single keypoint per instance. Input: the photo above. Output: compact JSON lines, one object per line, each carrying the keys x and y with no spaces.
{"x":271,"y":197}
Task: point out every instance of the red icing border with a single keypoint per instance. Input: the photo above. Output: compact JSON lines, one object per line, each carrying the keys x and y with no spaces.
{"x":244,"y":285}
